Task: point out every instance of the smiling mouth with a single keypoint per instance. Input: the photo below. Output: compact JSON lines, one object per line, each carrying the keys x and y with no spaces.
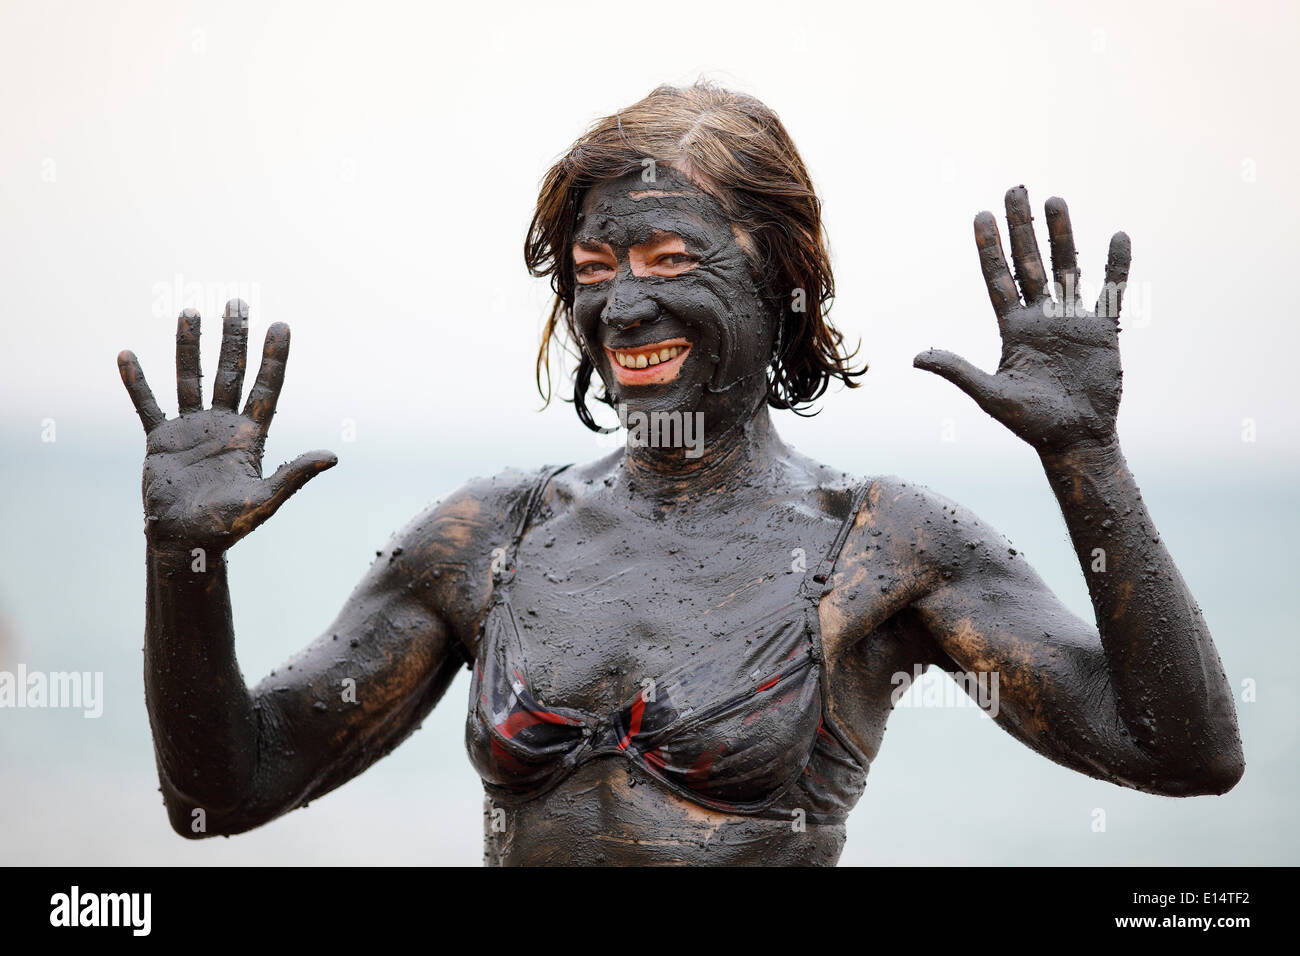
{"x":651,"y":364}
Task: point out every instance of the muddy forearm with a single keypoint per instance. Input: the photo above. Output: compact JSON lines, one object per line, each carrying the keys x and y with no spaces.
{"x":204,"y":725}
{"x":1169,"y":683}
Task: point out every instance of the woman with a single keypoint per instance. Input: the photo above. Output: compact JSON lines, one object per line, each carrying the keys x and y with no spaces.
{"x":685,"y":652}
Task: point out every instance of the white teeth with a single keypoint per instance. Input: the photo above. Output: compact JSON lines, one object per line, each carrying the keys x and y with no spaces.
{"x":665,"y":354}
{"x":641,"y":361}
{"x":654,"y":358}
{"x":622,"y":359}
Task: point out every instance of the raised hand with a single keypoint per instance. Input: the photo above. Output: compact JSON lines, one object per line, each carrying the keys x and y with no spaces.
{"x":203,"y":484}
{"x":1058,"y":382}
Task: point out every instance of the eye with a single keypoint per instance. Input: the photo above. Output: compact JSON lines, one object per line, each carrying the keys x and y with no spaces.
{"x":676,"y":259}
{"x":590,"y":271}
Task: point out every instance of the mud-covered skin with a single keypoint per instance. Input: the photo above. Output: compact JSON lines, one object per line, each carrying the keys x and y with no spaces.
{"x":719,"y":305}
{"x":610,"y":813}
{"x":628,"y":552}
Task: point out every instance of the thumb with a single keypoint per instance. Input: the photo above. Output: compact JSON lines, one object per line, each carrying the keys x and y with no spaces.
{"x":975,"y":382}
{"x":292,"y":475}
{"x":286,"y":480}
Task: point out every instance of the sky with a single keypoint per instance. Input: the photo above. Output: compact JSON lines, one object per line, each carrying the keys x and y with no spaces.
{"x":366,"y":173}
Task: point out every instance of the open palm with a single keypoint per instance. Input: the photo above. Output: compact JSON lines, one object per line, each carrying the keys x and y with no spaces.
{"x":203,"y":484}
{"x":1058,"y":382}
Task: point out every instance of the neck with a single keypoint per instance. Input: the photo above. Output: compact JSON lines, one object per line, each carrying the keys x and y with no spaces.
{"x":713,"y":463}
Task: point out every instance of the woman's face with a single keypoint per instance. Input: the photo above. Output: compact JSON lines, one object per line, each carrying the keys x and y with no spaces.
{"x":667,"y":303}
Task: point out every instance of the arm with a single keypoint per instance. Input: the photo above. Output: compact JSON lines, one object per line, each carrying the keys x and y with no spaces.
{"x":1141,"y":699}
{"x":243,"y":757}
{"x":246,"y":756}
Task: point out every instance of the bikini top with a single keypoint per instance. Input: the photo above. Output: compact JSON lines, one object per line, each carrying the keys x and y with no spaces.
{"x":739,"y":726}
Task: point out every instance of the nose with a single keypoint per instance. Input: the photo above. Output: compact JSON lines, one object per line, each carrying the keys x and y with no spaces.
{"x":629,"y":304}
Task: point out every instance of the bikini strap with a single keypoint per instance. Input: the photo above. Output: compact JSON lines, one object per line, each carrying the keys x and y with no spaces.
{"x":505,"y":569}
{"x":816,"y":584}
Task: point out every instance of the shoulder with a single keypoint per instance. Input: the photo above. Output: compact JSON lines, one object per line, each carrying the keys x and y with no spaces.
{"x":928,"y":531}
{"x":476,"y":513}
{"x":443,"y":556}
{"x":484,"y":513}
{"x":909,"y":502}
{"x":570,"y":487}
{"x":869,"y":499}
{"x":830,"y":490}
{"x":895,"y":497}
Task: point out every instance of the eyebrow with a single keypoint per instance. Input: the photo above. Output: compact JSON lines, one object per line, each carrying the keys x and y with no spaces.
{"x":656,"y":236}
{"x":663,"y":235}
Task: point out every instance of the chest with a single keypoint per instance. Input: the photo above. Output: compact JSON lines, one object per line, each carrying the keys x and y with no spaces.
{"x":602,"y":608}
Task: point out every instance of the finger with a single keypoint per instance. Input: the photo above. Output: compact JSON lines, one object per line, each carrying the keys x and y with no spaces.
{"x":188,"y":374}
{"x":1117,"y":263}
{"x":280,"y":486}
{"x":997,"y":277}
{"x":151,"y":415}
{"x":1065,"y":262}
{"x":234,"y":356}
{"x":1024,"y":245}
{"x":975,"y":382}
{"x":260,"y":406}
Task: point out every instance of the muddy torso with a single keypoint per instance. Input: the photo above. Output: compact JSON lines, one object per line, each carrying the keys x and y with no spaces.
{"x":611,"y":597}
